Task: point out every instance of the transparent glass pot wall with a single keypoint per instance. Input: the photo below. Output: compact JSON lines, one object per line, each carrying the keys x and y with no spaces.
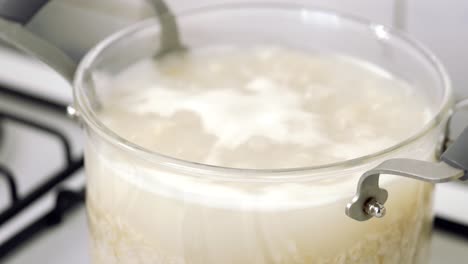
{"x":144,"y":207}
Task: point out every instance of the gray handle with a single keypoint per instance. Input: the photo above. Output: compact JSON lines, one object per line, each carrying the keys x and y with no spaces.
{"x":19,"y":12}
{"x":370,"y":198}
{"x":170,"y":36}
{"x":15,"y":35}
{"x":457,"y":154}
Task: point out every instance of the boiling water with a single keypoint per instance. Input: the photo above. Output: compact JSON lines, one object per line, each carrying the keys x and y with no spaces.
{"x":259,"y":108}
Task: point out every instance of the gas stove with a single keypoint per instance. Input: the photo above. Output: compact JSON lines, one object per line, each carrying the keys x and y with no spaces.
{"x":41,"y":158}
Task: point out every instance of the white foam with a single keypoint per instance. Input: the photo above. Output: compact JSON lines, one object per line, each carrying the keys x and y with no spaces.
{"x":299,"y":109}
{"x":234,"y":116}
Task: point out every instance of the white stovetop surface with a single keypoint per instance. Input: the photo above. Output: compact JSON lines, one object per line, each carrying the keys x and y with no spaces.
{"x":437,"y":23}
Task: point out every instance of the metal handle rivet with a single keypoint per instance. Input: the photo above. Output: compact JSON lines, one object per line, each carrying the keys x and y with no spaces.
{"x":375,"y":209}
{"x":73,"y":113}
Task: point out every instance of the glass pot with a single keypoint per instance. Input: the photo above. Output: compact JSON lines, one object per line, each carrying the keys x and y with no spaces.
{"x":165,"y":210}
{"x":145,"y":207}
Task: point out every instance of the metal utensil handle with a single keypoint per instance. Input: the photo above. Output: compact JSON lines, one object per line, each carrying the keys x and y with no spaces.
{"x":370,"y":198}
{"x":170,"y":36}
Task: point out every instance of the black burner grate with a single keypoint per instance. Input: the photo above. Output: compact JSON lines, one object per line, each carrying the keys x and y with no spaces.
{"x":66,"y":200}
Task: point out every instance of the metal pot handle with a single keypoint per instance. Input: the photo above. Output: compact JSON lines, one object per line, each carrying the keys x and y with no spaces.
{"x":15,"y":35}
{"x":370,"y":198}
{"x":19,"y":12}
